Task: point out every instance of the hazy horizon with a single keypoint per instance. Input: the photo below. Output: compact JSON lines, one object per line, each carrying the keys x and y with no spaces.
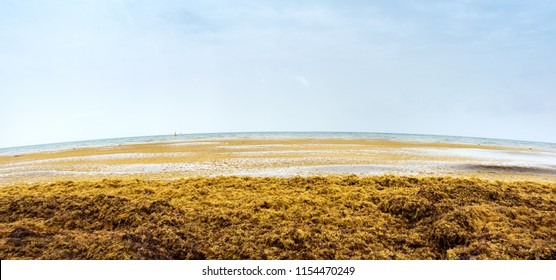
{"x":170,"y":136}
{"x":72,"y":71}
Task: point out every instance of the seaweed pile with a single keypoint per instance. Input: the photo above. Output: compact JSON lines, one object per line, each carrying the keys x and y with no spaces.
{"x":333,"y":217}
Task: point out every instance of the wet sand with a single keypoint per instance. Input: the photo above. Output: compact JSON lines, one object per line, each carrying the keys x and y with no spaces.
{"x":282,"y":158}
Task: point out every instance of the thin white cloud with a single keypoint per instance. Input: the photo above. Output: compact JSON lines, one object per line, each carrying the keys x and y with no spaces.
{"x":303,"y":81}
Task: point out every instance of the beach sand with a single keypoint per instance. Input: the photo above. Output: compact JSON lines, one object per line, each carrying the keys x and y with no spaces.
{"x":279,"y":199}
{"x":279,"y":157}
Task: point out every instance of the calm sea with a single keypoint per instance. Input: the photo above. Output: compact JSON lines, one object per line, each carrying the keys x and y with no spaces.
{"x":258,"y":135}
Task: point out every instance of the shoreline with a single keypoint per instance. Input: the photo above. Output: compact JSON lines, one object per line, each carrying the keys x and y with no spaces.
{"x":279,"y":199}
{"x":280,"y":157}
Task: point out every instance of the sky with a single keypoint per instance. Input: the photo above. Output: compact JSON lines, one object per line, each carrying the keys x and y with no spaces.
{"x":80,"y":70}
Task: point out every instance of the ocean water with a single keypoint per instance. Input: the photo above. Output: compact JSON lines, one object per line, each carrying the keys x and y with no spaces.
{"x":550,"y":147}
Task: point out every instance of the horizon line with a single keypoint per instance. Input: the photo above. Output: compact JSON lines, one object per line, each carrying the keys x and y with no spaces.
{"x":273,"y":132}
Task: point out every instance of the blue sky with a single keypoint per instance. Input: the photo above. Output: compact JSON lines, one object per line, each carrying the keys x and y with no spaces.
{"x":77,"y":70}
